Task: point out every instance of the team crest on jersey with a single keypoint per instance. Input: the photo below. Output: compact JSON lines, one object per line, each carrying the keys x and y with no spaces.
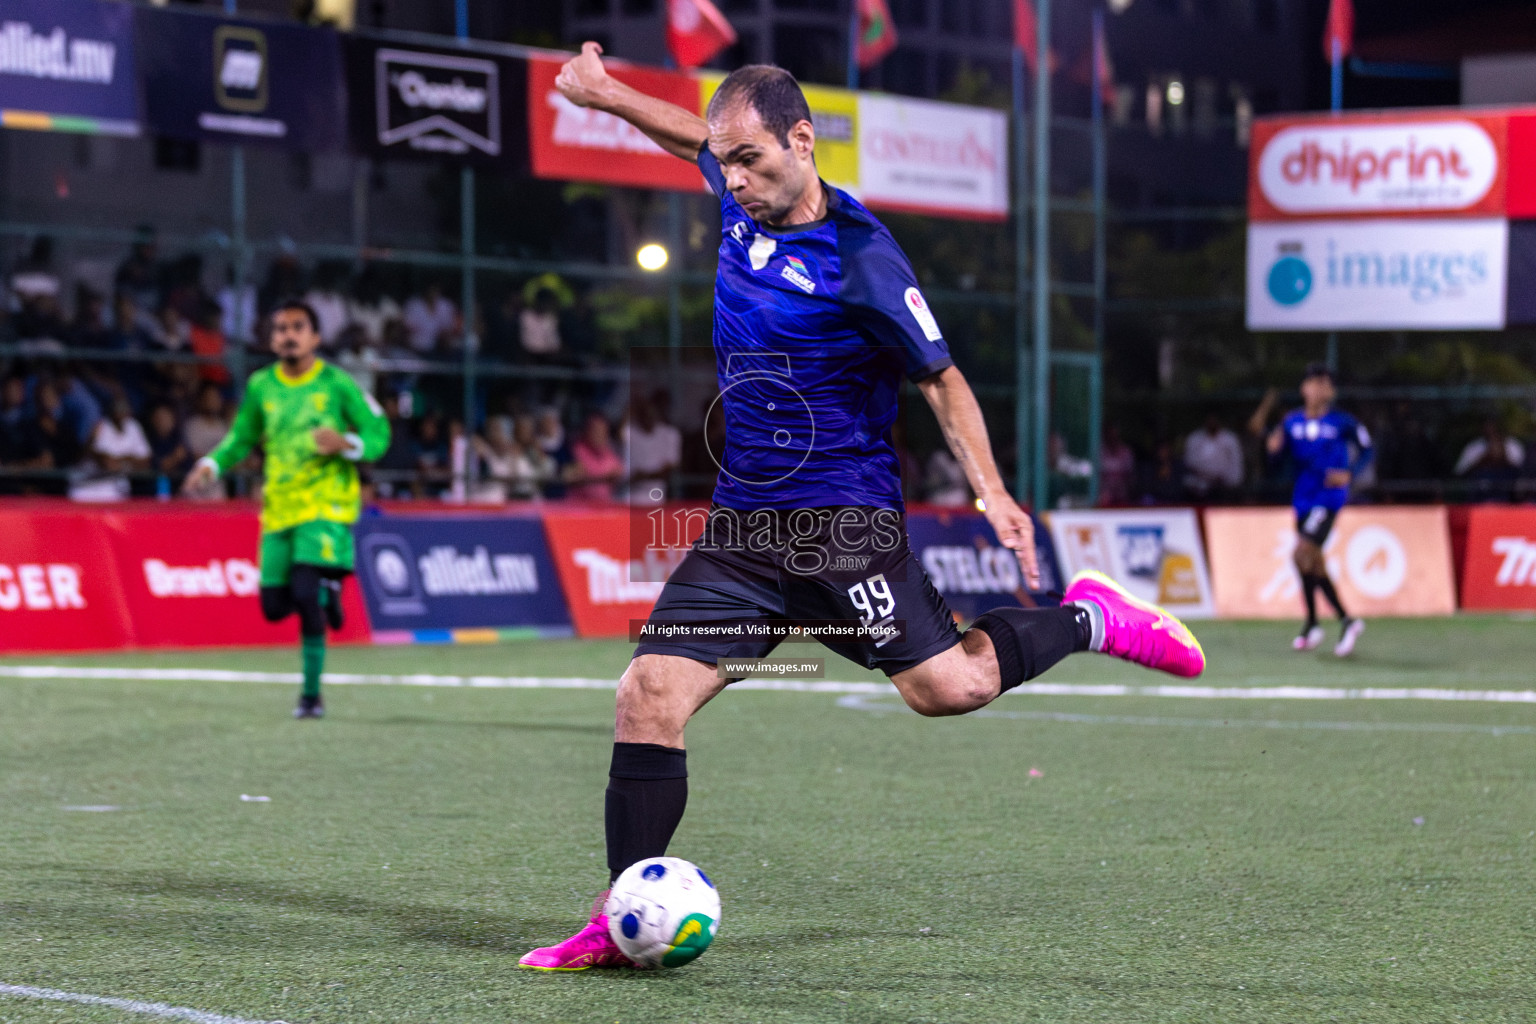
{"x":762,"y":249}
{"x":797,"y":274}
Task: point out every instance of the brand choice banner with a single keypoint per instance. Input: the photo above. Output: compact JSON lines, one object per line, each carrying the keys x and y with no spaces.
{"x":1421,"y":162}
{"x":1500,"y":571}
{"x":1377,"y":275}
{"x":1156,"y":554}
{"x":461,"y":104}
{"x":423,"y":572}
{"x":1385,"y":561}
{"x":961,"y":555}
{"x":240,"y":81}
{"x":67,"y":65}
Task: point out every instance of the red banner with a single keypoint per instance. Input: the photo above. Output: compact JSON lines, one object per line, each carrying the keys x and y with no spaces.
{"x":578,"y":144}
{"x":1412,"y":163}
{"x":58,"y":583}
{"x":612,"y":563}
{"x":76,"y":579}
{"x":1500,"y":569}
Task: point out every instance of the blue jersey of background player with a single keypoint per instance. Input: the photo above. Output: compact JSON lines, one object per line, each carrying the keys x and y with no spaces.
{"x":1328,"y":448}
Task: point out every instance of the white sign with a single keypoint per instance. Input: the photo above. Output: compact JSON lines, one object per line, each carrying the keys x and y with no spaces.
{"x":1156,"y":554}
{"x":922,"y":155}
{"x":1378,"y":168}
{"x":1377,"y":274}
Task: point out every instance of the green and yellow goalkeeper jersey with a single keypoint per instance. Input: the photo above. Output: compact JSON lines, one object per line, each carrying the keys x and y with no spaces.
{"x":280,"y":413}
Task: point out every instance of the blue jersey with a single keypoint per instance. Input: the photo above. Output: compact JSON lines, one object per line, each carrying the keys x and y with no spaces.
{"x":814,"y":327}
{"x":1335,"y":440}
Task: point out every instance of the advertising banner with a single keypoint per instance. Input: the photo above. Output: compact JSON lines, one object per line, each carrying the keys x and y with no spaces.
{"x":1500,"y":570}
{"x":1377,"y":275}
{"x":192,"y":579}
{"x":1413,"y":163}
{"x":58,"y":582}
{"x":1156,"y":554}
{"x":67,"y":66}
{"x":445,"y":574}
{"x":574,"y":143}
{"x":961,"y":555}
{"x":932,"y":157}
{"x":1385,"y":561}
{"x":464,"y":105}
{"x":609,"y":574}
{"x":225,"y":80}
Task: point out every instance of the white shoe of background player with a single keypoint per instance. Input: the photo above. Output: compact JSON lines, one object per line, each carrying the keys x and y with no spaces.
{"x":1347,"y":637}
{"x":1309,"y":639}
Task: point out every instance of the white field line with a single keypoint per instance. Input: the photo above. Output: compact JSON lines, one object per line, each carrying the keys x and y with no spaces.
{"x":163,"y":1010}
{"x":1184,"y":691}
{"x":856,"y":702}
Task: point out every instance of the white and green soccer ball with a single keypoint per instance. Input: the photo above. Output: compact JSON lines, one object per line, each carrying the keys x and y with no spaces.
{"x":663,"y":912}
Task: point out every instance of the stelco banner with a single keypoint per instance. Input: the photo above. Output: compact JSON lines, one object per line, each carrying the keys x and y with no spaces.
{"x":426,"y":574}
{"x":1500,"y":571}
{"x":67,"y":65}
{"x":1385,"y":561}
{"x":242,"y":81}
{"x":1156,"y":554}
{"x":961,"y":555}
{"x":416,"y":102}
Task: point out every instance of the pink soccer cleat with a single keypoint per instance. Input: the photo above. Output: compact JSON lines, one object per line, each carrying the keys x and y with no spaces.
{"x":1137,"y":630}
{"x":590,"y":947}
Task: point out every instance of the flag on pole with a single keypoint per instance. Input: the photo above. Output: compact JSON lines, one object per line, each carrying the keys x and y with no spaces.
{"x":1103,"y":68}
{"x":1340,"y":30}
{"x":696,"y":31}
{"x":877,"y":34}
{"x":1026,"y":33}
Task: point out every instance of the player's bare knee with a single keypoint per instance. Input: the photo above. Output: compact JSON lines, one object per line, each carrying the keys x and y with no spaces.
{"x":643,"y":705}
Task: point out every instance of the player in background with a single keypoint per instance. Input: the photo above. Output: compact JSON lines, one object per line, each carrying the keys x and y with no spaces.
{"x":818,"y":317}
{"x":1328,"y":448}
{"x":314,"y":425}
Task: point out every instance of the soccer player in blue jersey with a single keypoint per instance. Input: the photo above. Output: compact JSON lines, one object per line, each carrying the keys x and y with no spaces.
{"x":817,"y":317}
{"x":1328,"y":448}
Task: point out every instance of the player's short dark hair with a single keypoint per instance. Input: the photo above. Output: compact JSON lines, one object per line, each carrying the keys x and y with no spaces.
{"x":1316,"y":370}
{"x":303,"y":307}
{"x":771,"y":91}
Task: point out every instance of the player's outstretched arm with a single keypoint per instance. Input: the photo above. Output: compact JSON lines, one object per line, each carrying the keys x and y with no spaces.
{"x":585,"y":82}
{"x":954,"y":404}
{"x":243,"y":436}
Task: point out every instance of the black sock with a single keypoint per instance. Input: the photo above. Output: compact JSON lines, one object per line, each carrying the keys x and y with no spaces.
{"x":1030,"y":640}
{"x":1309,"y":591}
{"x":1326,"y":586}
{"x":647,"y":791}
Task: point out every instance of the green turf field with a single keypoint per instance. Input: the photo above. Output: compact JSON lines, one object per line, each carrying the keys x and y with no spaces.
{"x":1167,"y":860}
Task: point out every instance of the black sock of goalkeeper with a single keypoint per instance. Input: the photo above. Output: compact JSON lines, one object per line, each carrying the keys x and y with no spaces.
{"x":1325,"y":584}
{"x":647,"y":791}
{"x":1028,"y":641}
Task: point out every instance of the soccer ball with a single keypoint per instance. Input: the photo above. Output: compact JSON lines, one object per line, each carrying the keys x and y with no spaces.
{"x":663,"y":912}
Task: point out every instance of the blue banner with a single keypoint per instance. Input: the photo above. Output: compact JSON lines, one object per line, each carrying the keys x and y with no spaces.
{"x":227,"y":80}
{"x":961,"y":555}
{"x":67,"y":65}
{"x":431,"y":575}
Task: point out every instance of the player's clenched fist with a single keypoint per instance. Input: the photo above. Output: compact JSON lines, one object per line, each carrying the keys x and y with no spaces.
{"x":1015,"y":531}
{"x":583,"y":77}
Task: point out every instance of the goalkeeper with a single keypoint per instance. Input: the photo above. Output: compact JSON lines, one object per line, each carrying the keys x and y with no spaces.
{"x":314,"y":425}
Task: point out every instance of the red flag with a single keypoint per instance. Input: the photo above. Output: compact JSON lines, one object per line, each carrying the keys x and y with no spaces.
{"x":1341,"y":29}
{"x":1103,"y":70}
{"x":877,"y":35}
{"x":1026,"y":32}
{"x":696,"y":31}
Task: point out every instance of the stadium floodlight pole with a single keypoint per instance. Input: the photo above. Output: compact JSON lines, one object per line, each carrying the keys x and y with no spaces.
{"x":1042,"y":375}
{"x":1021,"y":406}
{"x":1100,"y":209}
{"x":239,"y":256}
{"x":853,"y":44}
{"x":1336,"y":47}
{"x":467,"y":261}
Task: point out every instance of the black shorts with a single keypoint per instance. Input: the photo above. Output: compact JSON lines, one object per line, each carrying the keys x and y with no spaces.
{"x":832,"y":570}
{"x":1316,"y":523}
